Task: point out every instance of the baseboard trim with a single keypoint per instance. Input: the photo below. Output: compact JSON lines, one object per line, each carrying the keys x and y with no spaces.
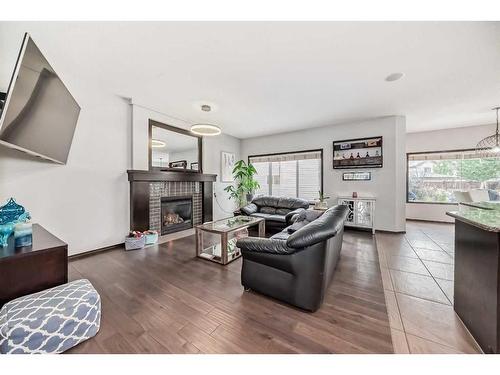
{"x":96,"y":251}
{"x":390,"y":231}
{"x":431,"y":221}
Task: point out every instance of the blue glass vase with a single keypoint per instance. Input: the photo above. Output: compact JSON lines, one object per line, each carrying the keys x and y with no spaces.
{"x":10,"y":214}
{"x":5,"y":232}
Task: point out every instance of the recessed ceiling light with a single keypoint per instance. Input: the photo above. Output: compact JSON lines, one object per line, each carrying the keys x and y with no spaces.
{"x":394,"y":77}
{"x":205,"y":129}
{"x":156,"y":143}
{"x":206,"y":108}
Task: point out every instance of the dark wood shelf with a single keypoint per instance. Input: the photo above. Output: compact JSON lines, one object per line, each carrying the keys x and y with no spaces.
{"x":152,"y":176}
{"x":34,"y":268}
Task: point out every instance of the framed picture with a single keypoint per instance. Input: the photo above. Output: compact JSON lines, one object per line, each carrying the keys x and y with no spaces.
{"x":356,"y":176}
{"x":178,"y":164}
{"x":194,"y":166}
{"x":227,"y":164}
{"x":358,"y":153}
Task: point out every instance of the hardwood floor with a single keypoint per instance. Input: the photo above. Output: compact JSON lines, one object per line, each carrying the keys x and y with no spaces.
{"x":163,"y":299}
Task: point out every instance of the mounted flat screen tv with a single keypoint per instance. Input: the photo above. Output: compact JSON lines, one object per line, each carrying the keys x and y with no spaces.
{"x":358,"y":153}
{"x":39,"y":115}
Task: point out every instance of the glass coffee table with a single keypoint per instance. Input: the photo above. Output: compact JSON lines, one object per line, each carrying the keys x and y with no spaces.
{"x":216,"y":240}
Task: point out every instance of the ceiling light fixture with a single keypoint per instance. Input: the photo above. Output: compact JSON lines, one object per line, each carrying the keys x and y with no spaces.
{"x":489,"y":147}
{"x":394,"y":77}
{"x":205,"y":129}
{"x":156,"y":143}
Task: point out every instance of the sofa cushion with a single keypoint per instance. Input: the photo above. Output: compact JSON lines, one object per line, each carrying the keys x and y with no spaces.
{"x":269,"y":217}
{"x":283,"y":211}
{"x":280,"y":202}
{"x":268,"y":210}
{"x":283,"y":235}
{"x":296,"y":226}
{"x":249,"y":209}
{"x":292,"y":203}
{"x":304,"y":218}
{"x":324,"y":227}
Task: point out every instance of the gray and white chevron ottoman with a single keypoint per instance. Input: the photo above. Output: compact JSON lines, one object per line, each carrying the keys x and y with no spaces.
{"x":51,"y":321}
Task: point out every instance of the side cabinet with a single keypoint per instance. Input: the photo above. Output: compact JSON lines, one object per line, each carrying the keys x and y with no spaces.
{"x":361,"y":212}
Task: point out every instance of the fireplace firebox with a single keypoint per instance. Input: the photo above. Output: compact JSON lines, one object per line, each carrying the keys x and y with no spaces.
{"x":176,"y":214}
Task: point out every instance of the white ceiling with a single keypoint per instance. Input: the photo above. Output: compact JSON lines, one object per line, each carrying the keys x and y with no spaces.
{"x":271,"y":77}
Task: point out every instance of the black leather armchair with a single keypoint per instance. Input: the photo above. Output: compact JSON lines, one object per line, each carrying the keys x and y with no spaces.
{"x":295,"y":267}
{"x":277,"y":211}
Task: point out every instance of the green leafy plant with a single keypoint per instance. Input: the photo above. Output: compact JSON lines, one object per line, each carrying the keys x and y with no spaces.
{"x":322,"y":197}
{"x":243,"y":175}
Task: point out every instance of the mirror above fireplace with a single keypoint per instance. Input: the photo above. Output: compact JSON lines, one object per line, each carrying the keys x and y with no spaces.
{"x":173,"y":149}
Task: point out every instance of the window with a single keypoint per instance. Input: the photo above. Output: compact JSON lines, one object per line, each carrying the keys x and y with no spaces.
{"x":297,"y":174}
{"x":434,"y":177}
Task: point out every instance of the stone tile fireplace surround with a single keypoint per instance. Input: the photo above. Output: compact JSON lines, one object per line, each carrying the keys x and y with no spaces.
{"x":172,"y":189}
{"x":148,"y":187}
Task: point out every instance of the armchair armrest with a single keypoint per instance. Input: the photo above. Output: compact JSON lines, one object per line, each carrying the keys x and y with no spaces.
{"x":249,"y":209}
{"x":292,"y":215}
{"x":264,"y":245}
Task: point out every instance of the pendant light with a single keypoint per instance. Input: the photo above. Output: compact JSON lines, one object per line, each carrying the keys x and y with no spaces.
{"x":205,"y":129}
{"x":489,"y":147}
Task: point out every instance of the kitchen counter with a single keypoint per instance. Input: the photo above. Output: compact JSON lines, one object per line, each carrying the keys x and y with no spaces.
{"x":477,"y":271}
{"x":484,"y":215}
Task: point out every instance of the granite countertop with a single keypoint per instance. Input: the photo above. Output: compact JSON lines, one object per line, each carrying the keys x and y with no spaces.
{"x":484,"y":215}
{"x":491,"y":205}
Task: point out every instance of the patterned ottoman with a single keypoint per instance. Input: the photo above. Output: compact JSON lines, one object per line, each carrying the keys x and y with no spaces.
{"x":51,"y":321}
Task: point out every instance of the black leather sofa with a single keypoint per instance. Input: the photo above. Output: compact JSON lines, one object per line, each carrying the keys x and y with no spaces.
{"x":296,"y":265}
{"x":277,"y":211}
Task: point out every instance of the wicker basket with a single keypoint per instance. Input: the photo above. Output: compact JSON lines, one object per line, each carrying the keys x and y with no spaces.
{"x":132,"y":243}
{"x":151,"y":238}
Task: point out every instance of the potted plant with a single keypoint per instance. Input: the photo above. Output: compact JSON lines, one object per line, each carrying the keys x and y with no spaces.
{"x":245,"y":186}
{"x":322,"y":204}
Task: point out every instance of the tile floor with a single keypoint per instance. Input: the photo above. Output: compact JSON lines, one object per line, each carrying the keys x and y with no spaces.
{"x":417,"y":273}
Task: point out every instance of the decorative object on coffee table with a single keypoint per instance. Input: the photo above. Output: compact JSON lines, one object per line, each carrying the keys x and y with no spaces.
{"x":216,"y":240}
{"x":10,"y":214}
{"x":361,"y":212}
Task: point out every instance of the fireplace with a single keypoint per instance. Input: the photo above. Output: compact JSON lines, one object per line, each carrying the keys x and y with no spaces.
{"x":176,"y":214}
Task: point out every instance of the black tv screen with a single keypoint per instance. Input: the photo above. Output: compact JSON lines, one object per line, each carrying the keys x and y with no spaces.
{"x":358,"y":153}
{"x":40,"y":114}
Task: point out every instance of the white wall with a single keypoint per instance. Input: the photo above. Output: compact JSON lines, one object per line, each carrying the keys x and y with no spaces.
{"x":86,"y":201}
{"x":442,"y":140}
{"x":387,"y":184}
{"x":212,"y":148}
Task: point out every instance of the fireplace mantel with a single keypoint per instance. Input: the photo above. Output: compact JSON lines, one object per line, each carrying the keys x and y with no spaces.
{"x":140,"y":181}
{"x":141,"y":175}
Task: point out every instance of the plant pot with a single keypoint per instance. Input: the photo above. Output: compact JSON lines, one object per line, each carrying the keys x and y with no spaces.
{"x":250,"y":197}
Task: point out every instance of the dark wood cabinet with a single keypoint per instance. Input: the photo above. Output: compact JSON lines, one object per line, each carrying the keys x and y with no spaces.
{"x":33,"y":268}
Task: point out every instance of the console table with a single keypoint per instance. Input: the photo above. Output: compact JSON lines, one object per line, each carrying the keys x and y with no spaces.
{"x":361,"y":212}
{"x":33,"y":268}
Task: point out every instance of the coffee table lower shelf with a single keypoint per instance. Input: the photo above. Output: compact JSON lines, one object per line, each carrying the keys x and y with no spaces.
{"x":216,"y":241}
